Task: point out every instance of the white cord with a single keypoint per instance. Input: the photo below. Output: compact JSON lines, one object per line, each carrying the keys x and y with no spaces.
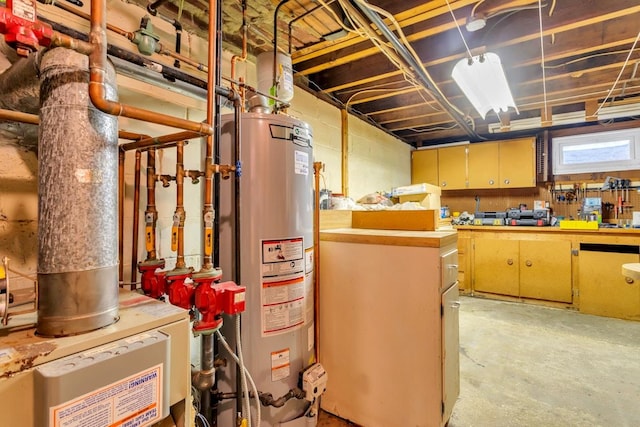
{"x":626,"y":61}
{"x":246,"y":404}
{"x":227,"y":347}
{"x":544,"y":75}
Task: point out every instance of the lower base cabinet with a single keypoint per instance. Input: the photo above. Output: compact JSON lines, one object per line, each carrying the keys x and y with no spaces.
{"x":604,"y":291}
{"x":537,"y":269}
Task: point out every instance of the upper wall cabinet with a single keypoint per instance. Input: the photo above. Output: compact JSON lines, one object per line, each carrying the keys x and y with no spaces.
{"x":424,"y":167}
{"x":452,"y":167}
{"x":518,"y":163}
{"x":496,"y":164}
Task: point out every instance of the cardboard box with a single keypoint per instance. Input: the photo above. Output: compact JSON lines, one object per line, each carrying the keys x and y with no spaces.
{"x":335,"y":219}
{"x":426,"y":194}
{"x":422,"y":220}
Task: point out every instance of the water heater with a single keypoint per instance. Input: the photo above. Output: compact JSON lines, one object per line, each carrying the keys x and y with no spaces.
{"x":276,"y":259}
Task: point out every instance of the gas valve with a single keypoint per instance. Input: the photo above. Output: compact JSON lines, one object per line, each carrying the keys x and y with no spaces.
{"x":213,"y":299}
{"x":21,"y":29}
{"x":153,"y":284}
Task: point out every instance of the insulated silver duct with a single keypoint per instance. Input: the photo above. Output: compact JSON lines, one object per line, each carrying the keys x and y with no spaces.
{"x":77,"y":190}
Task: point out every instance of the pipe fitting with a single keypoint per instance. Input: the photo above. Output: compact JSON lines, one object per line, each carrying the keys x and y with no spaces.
{"x":194,"y":175}
{"x":166,"y":180}
{"x":203,"y":380}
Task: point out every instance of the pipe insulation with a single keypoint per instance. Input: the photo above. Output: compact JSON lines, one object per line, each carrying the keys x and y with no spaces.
{"x":77,"y":191}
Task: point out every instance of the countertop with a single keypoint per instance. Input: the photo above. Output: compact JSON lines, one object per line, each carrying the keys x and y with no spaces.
{"x":431,"y":239}
{"x":529,"y":229}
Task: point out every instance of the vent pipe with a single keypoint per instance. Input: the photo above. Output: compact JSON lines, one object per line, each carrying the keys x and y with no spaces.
{"x":77,"y":191}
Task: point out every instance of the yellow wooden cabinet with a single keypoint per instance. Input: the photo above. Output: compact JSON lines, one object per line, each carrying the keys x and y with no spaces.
{"x":452,"y":167}
{"x":424,"y":166}
{"x":484,"y":165}
{"x":518,"y":163}
{"x":604,"y":291}
{"x":495,"y":266}
{"x":545,"y":270}
{"x":581,"y":269}
{"x":495,"y":164}
{"x":536,"y":269}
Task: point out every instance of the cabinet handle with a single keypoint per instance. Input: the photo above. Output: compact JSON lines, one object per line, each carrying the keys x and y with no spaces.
{"x":528,"y":263}
{"x":444,"y":183}
{"x":491,"y":182}
{"x":455,"y":304}
{"x":629,"y":280}
{"x":506,"y":181}
{"x":510,"y":261}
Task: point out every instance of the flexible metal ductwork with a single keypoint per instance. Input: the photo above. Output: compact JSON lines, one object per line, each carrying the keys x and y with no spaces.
{"x":78,"y":219}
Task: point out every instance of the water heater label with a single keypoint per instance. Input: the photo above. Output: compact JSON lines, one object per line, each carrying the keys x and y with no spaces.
{"x":301,"y":162}
{"x":282,"y":286}
{"x":132,"y":401}
{"x":280,"y":364}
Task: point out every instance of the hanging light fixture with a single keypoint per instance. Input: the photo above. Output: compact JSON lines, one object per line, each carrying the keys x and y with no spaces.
{"x":482,"y":80}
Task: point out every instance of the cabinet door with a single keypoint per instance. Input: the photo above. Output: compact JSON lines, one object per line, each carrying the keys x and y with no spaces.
{"x":496,"y":266}
{"x":483,"y":160}
{"x":518,"y":163}
{"x":604,"y":291}
{"x":545,"y":270}
{"x":452,"y":167}
{"x":424,"y":166}
{"x":450,"y":350}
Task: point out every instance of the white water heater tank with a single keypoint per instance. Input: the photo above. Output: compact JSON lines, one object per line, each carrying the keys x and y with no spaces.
{"x":276,"y":260}
{"x":284,"y":75}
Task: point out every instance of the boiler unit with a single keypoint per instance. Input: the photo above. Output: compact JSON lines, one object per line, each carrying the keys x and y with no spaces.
{"x":274,"y":260}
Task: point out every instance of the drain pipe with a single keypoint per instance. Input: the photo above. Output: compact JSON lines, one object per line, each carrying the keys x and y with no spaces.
{"x":411,"y":61}
{"x":77,"y":248}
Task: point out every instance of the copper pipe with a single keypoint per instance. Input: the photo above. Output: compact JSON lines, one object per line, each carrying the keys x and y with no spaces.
{"x":62,"y":40}
{"x":164,"y":51}
{"x":81,"y":14}
{"x":121,"y":157}
{"x":151,"y":213}
{"x":159,"y":141}
{"x":98,"y":91}
{"x":317,"y":166}
{"x":136,"y":222}
{"x":207,"y":211}
{"x":18,"y":116}
{"x":180,"y":213}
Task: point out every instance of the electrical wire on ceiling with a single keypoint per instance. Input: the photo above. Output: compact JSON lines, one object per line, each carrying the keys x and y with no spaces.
{"x":544,"y":75}
{"x":466,"y":46}
{"x":407,"y":45}
{"x":626,"y":61}
{"x":584,"y":58}
{"x":365,"y":31}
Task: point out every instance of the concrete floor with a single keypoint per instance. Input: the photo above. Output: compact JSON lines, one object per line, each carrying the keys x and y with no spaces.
{"x":533,"y":366}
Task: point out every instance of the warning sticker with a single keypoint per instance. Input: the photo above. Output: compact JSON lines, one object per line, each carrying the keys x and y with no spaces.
{"x":280,"y":365}
{"x":283,"y":288}
{"x":301,"y":163}
{"x":135,"y":401}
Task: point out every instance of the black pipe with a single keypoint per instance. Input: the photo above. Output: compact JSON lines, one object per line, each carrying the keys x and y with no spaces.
{"x":275,"y":47}
{"x":152,"y":8}
{"x":167,"y":72}
{"x":216,"y":195}
{"x":411,"y":61}
{"x":307,"y":13}
{"x":178,"y":26}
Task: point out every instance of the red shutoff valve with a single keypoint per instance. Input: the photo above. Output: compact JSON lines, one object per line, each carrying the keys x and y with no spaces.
{"x":21,"y":29}
{"x":213,"y":299}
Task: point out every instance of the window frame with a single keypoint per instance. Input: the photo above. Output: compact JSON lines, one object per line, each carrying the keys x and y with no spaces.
{"x":558,"y":143}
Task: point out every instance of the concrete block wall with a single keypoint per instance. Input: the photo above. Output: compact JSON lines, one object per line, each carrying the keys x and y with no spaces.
{"x":377,"y":161}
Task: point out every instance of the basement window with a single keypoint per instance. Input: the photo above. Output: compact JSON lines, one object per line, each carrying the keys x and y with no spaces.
{"x":597,"y":152}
